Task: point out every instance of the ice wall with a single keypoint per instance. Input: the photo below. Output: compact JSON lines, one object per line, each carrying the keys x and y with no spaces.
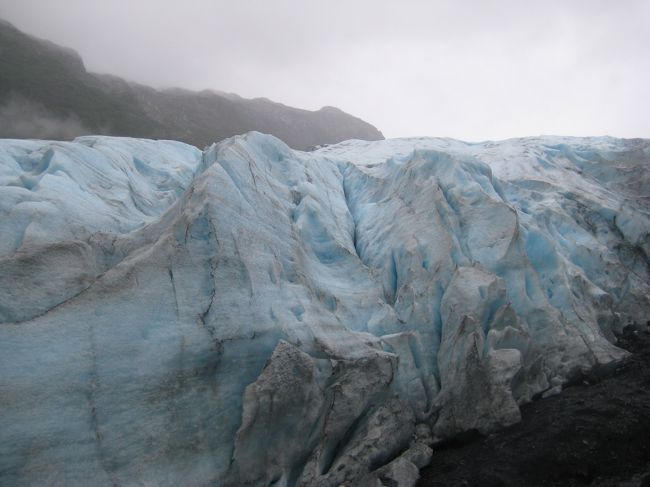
{"x":253,"y":315}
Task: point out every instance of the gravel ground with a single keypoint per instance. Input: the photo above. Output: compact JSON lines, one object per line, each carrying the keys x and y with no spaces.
{"x":596,"y":432}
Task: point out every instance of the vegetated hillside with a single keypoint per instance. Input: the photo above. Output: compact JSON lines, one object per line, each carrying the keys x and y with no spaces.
{"x":46,"y":92}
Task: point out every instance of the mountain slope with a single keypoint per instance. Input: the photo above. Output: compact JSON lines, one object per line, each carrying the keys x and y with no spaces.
{"x":45,"y":92}
{"x":254,"y":315}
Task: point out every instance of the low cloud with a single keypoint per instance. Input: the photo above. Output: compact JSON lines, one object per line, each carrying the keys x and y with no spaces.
{"x":23,"y":119}
{"x":462,"y":68}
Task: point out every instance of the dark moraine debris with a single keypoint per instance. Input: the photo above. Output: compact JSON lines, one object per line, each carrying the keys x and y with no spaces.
{"x":596,"y":433}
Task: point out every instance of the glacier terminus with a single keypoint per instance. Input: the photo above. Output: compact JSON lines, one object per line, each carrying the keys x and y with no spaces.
{"x":252,"y":315}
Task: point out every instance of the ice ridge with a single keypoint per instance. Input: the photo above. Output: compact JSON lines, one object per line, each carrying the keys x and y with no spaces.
{"x":254,"y":315}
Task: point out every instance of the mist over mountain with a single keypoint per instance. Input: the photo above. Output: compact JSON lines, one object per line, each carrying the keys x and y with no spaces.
{"x":46,"y":92}
{"x":200,"y":289}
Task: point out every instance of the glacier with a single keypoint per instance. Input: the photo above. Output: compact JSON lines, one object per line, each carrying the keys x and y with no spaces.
{"x":253,"y":315}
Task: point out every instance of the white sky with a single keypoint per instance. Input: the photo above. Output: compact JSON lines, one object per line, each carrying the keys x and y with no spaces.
{"x":474,"y":70}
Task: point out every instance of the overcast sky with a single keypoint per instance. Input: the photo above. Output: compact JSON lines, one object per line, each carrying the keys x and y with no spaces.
{"x":472,"y":70}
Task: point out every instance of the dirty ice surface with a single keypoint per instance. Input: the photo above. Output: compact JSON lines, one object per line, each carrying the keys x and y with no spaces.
{"x":254,"y":315}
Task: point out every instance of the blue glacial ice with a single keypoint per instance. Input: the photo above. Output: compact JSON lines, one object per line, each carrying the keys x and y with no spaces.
{"x":254,"y":315}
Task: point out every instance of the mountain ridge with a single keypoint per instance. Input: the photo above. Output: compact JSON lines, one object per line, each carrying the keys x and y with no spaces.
{"x":48,"y":93}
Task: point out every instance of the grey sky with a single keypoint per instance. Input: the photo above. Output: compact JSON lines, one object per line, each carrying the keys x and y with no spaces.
{"x":473,"y":70}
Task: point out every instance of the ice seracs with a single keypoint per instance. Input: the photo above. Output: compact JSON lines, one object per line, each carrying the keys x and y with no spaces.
{"x":253,"y":315}
{"x":65,"y":206}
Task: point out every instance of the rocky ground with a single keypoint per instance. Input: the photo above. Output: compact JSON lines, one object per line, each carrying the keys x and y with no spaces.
{"x":596,"y":432}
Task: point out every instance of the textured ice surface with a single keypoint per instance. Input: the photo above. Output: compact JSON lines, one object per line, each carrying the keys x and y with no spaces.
{"x":253,"y":315}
